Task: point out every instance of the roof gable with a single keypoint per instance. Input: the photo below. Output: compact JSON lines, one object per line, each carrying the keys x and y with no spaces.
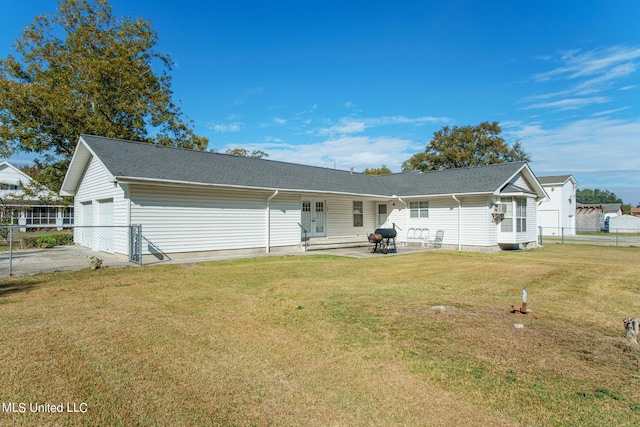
{"x":10,"y":174}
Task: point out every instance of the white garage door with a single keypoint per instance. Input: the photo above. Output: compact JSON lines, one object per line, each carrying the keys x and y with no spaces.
{"x":105,"y":218}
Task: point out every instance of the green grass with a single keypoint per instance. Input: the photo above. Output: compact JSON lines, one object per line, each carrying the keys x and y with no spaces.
{"x":425,"y":339}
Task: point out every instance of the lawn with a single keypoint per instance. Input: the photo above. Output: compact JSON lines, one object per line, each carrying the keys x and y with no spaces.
{"x":424,"y":339}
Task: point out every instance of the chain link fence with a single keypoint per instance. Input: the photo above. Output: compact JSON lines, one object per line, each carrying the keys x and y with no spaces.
{"x":35,"y":249}
{"x":612,"y":237}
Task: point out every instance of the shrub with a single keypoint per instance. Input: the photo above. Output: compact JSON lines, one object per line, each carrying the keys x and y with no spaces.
{"x":29,"y":242}
{"x":46,"y":241}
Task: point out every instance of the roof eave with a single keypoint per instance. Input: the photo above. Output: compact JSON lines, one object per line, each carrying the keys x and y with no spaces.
{"x":177,"y":183}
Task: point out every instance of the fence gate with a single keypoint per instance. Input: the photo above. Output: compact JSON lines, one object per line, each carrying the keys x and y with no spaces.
{"x":135,"y":244}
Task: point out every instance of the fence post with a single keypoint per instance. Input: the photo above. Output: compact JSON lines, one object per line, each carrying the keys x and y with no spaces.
{"x":562,"y":232}
{"x":616,"y":237}
{"x":10,"y":250}
{"x":139,"y":244}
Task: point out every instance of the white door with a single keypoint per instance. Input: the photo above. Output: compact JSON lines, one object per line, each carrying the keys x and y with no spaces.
{"x":105,"y":239}
{"x":383,"y":214}
{"x":86,"y":229}
{"x":314,"y":218}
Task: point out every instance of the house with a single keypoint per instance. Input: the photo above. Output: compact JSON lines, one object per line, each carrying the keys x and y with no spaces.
{"x":19,"y":208}
{"x":192,"y":201}
{"x":612,"y":209}
{"x":635,"y":211}
{"x":557,"y":214}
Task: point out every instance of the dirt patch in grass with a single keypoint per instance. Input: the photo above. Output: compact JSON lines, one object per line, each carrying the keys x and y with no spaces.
{"x":425,"y":339}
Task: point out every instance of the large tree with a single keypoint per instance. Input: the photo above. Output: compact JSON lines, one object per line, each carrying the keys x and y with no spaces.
{"x":462,"y":146}
{"x":243,"y":152}
{"x":83,"y":70}
{"x":383,"y":170}
{"x":590,"y":196}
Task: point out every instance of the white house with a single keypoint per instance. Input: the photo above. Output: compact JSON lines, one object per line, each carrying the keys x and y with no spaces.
{"x":557,"y":214}
{"x":21,"y":209}
{"x":194,"y":201}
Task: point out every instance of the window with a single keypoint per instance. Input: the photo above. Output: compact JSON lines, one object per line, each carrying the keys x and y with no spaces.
{"x":419,"y":209}
{"x":41,"y":215}
{"x":506,"y":225}
{"x":382,"y":214}
{"x":358,"y":217}
{"x":521,"y":215}
{"x":67,"y":216}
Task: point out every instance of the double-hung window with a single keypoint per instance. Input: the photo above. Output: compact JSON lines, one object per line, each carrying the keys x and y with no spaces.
{"x":358,"y":216}
{"x":419,"y":209}
{"x":521,"y":215}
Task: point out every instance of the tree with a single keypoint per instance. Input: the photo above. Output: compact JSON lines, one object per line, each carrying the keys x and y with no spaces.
{"x":243,"y":152}
{"x":383,"y":170}
{"x":83,"y":70}
{"x":589,"y":196}
{"x":465,"y":146}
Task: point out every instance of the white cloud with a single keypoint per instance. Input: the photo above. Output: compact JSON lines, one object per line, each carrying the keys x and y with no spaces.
{"x":579,"y":64}
{"x":587,"y":145}
{"x":358,"y":151}
{"x":227,"y":127}
{"x":569,"y":103}
{"x":350,"y":125}
{"x":279,"y":121}
{"x":346,"y":127}
{"x":591,"y":73}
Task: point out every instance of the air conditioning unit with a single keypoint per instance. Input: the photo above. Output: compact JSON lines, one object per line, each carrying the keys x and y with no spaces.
{"x":499,"y":208}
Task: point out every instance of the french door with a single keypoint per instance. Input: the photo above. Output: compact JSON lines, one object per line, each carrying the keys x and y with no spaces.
{"x":314,"y":217}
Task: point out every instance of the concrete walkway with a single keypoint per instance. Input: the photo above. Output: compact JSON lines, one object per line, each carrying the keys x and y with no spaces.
{"x":68,"y":258}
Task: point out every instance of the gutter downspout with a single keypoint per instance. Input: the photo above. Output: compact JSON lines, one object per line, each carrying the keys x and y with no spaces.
{"x":268,"y":246}
{"x":459,"y":209}
{"x":406,"y":214}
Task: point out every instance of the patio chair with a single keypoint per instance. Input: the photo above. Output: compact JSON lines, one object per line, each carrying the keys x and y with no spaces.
{"x":437,"y":241}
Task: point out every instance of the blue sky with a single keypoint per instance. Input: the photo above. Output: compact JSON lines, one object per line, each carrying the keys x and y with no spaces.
{"x":366,"y":83}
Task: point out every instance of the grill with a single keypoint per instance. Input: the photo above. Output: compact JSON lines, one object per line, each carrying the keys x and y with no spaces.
{"x":383,"y":240}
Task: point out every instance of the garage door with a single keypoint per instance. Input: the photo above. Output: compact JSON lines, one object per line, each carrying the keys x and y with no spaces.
{"x":105,"y":218}
{"x":86,"y":229}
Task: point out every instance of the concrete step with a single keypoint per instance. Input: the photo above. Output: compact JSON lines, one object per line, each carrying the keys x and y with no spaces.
{"x":319,"y":244}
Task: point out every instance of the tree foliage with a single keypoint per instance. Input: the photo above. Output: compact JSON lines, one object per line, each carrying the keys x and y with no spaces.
{"x":383,"y":170}
{"x":463,"y":146}
{"x":589,"y":196}
{"x":243,"y":152}
{"x":83,"y":70}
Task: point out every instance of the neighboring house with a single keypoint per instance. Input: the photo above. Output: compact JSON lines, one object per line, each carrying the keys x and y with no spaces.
{"x":612,"y":209}
{"x":195,"y":201}
{"x":21,"y":209}
{"x":635,"y":211}
{"x":557,"y":214}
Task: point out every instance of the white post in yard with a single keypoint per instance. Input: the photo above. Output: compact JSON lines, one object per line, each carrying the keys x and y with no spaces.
{"x":523,"y":308}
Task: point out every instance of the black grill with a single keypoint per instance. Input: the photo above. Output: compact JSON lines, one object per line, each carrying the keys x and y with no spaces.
{"x":383,"y":240}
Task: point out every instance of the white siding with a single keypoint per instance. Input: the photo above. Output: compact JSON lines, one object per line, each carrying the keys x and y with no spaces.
{"x":97,"y":185}
{"x":193,"y":219}
{"x":285,"y":216}
{"x":340,"y":217}
{"x":476,"y":222}
{"x":559,"y":211}
{"x":522,"y":183}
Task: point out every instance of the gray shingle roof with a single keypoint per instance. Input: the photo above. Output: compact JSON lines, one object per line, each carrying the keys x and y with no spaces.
{"x":148,"y":161}
{"x":559,"y":179}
